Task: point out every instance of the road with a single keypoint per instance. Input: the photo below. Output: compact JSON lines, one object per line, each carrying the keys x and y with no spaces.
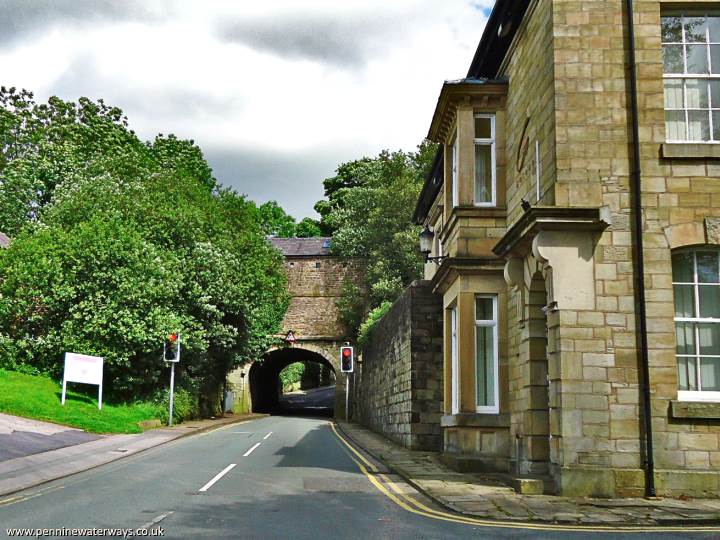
{"x":276,"y":477}
{"x":23,"y":437}
{"x":318,"y":401}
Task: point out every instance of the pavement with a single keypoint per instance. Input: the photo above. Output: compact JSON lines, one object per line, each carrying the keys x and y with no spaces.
{"x":486,"y":497}
{"x":34,"y":452}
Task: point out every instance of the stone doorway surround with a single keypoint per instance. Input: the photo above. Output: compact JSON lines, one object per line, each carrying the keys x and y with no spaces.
{"x":550,"y":270}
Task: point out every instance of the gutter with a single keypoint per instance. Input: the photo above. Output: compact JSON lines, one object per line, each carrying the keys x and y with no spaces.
{"x":636,"y":183}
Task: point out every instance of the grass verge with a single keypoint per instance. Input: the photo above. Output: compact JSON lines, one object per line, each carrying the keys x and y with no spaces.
{"x":39,"y":397}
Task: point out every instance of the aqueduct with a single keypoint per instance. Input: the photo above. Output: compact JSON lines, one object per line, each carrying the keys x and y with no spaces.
{"x":315,"y":279}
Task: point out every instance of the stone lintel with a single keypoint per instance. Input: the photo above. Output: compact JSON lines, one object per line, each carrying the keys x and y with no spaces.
{"x":690,"y":150}
{"x":694,"y":409}
{"x":518,"y":239}
{"x":501,"y":420}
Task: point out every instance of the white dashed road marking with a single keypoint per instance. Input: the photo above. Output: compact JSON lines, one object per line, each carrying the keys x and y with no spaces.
{"x":246,"y":454}
{"x":218,"y":476}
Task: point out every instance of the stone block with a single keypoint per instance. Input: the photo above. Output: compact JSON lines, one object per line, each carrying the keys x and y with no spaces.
{"x":592,"y":482}
{"x":698,"y":441}
{"x":712,"y":230}
{"x":690,"y":483}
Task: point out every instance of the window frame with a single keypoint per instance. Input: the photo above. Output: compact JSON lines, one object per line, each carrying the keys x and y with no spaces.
{"x":454,"y":362}
{"x":696,"y":395}
{"x":493,"y":165}
{"x":538,"y":171}
{"x":454,"y":171}
{"x":495,"y":408}
{"x":685,"y":76}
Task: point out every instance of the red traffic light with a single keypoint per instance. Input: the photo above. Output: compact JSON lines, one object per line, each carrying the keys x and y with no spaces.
{"x":172,"y":338}
{"x":346,"y":359}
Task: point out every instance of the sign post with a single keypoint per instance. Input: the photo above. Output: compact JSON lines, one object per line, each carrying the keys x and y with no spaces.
{"x":83,"y":368}
{"x":171,"y":353}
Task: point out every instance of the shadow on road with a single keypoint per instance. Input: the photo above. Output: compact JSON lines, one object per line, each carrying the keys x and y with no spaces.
{"x":315,"y":402}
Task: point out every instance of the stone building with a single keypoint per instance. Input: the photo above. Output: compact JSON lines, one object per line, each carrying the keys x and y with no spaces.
{"x":579,"y":346}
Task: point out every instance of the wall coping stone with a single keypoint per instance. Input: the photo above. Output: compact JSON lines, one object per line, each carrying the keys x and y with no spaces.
{"x":475,"y":420}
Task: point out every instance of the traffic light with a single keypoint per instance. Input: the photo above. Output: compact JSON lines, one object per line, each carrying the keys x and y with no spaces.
{"x":171,"y":348}
{"x":346,"y":359}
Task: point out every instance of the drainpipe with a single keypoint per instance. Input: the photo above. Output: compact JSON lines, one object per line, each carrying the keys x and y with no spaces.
{"x":635,"y":181}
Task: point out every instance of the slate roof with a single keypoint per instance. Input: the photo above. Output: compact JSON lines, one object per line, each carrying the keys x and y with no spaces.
{"x":303,"y":247}
{"x":4,"y":240}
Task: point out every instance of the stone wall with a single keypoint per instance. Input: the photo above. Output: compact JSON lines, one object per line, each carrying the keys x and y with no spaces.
{"x":315,"y":284}
{"x":595,"y":398}
{"x":398,"y":386}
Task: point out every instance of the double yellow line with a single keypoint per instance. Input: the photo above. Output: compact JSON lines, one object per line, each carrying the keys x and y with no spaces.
{"x":404,"y":501}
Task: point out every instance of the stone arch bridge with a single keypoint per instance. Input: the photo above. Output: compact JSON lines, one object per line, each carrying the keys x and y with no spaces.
{"x":315,"y":279}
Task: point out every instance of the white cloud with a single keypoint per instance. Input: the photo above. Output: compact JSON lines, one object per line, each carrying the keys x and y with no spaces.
{"x":260,"y":78}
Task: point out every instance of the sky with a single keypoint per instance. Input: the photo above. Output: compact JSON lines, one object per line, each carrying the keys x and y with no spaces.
{"x":276,"y":93}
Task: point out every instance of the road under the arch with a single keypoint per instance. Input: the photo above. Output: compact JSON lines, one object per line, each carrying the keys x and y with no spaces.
{"x":266,"y":389}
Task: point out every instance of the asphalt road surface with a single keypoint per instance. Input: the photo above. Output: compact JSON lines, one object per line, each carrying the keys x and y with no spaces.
{"x":314,"y":401}
{"x":21,"y":437}
{"x":276,"y":477}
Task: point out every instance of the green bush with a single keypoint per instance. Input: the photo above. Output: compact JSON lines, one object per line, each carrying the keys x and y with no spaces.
{"x":185,"y":406}
{"x":370,"y":321}
{"x":292,"y":374}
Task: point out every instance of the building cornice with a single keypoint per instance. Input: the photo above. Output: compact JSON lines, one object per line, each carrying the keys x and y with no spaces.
{"x":519,"y":236}
{"x":452,"y":267}
{"x":452,"y":93}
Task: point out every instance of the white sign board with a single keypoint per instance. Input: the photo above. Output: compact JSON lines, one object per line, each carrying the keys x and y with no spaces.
{"x":83,"y":368}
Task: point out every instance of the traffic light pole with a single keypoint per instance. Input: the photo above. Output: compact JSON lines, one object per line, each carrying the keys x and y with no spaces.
{"x":347,"y":396}
{"x":173,"y":361}
{"x":172,"y":388}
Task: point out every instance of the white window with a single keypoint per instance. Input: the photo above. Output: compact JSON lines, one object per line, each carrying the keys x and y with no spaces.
{"x":454,"y":365}
{"x":696,"y":287}
{"x":691,"y":72}
{"x":455,"y":187}
{"x":486,"y":354}
{"x":484,"y":160}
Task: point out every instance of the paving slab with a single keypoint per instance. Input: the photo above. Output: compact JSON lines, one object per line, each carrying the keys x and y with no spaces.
{"x":485,"y":497}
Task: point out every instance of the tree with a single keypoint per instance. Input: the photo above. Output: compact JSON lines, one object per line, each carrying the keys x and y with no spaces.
{"x":44,"y":145}
{"x":307,"y":228}
{"x":126,"y":245}
{"x":58,"y":142}
{"x":276,"y":222}
{"x":369,"y":209}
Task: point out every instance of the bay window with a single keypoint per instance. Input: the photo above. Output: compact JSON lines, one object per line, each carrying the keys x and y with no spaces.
{"x":696,"y":286}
